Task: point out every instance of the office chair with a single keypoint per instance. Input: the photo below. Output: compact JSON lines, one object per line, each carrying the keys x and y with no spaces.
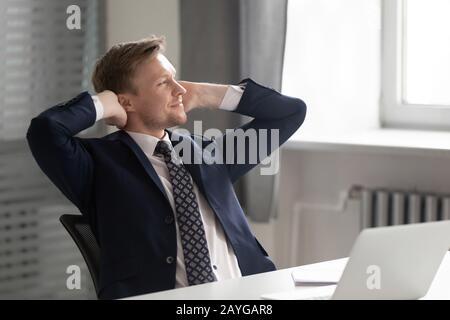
{"x":81,"y":233}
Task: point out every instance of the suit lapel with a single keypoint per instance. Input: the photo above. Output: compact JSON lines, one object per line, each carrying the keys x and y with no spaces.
{"x":125,"y":138}
{"x":195,"y":170}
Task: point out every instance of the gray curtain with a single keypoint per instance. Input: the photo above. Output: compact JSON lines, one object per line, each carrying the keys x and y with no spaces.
{"x":227,"y":40}
{"x":210,"y":53}
{"x":262,"y":30}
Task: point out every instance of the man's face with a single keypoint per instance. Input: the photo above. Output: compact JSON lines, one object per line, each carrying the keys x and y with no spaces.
{"x":157,"y":101}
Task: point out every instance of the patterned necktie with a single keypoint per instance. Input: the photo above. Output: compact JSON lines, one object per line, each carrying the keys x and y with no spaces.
{"x":192,"y":233}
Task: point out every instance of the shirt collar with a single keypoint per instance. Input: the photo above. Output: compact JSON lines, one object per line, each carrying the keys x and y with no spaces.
{"x":148,"y":142}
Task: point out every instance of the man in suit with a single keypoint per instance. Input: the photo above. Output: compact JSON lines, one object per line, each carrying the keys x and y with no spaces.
{"x":161,"y":221}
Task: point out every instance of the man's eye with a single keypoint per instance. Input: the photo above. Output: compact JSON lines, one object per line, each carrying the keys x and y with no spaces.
{"x":161,"y":83}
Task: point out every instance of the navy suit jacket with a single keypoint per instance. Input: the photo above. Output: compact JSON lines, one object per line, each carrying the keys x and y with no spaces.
{"x":113,"y":184}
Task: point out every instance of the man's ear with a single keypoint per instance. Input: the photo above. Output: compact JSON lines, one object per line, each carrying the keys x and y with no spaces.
{"x":125,"y":101}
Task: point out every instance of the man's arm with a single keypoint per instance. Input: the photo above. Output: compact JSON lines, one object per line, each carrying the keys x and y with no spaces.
{"x":110,"y":109}
{"x":62,"y":156}
{"x":270,"y":110}
{"x":203,"y":95}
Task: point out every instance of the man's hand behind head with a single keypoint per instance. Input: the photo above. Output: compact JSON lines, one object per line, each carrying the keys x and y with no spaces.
{"x":202,"y":95}
{"x":191,"y":97}
{"x":114,"y":113}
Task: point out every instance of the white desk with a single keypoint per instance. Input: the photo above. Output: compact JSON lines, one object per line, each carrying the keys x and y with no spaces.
{"x":252,"y":287}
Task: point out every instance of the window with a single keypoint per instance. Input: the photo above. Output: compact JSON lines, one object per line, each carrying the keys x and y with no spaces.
{"x":42,"y":63}
{"x":362,"y":65}
{"x":416,"y":64}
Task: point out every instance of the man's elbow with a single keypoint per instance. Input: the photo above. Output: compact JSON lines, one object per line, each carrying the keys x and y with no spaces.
{"x":300,"y":114}
{"x":31,"y":135}
{"x":39,"y":132}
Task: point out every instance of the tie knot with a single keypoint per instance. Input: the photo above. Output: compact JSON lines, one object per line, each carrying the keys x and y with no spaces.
{"x":163,"y":148}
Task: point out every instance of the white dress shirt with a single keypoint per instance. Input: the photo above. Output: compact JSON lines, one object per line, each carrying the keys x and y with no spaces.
{"x":223,"y":259}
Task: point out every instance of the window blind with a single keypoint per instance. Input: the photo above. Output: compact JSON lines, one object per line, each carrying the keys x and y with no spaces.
{"x":42,"y":63}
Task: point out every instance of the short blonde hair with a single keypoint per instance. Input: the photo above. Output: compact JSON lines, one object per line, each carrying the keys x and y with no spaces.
{"x":115,"y":69}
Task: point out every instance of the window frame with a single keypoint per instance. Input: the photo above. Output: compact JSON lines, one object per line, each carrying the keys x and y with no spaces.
{"x":394,"y":111}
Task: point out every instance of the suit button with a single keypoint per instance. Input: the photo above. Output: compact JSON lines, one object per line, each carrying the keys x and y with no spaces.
{"x":169,"y":260}
{"x":168,"y":219}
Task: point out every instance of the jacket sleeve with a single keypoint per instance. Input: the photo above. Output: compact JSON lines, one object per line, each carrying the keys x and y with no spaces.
{"x":270,"y":111}
{"x":60,"y":155}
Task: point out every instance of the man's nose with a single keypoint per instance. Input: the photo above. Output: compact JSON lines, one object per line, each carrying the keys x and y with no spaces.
{"x":179,"y":89}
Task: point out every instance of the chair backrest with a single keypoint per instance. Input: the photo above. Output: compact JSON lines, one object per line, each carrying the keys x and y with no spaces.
{"x":81,"y":232}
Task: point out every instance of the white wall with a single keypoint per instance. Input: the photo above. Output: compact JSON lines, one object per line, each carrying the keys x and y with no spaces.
{"x":136,"y":19}
{"x":319,"y":178}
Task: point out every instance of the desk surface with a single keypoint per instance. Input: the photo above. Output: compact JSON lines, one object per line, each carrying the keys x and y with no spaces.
{"x":252,"y":287}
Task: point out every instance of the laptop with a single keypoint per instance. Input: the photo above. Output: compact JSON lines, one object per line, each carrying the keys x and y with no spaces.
{"x":396,"y":262}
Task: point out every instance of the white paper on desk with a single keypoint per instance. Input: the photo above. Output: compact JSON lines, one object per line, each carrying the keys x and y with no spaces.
{"x":317,"y":277}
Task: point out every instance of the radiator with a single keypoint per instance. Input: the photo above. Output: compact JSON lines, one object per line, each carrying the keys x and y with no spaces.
{"x":324,"y":231}
{"x":387,"y":207}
